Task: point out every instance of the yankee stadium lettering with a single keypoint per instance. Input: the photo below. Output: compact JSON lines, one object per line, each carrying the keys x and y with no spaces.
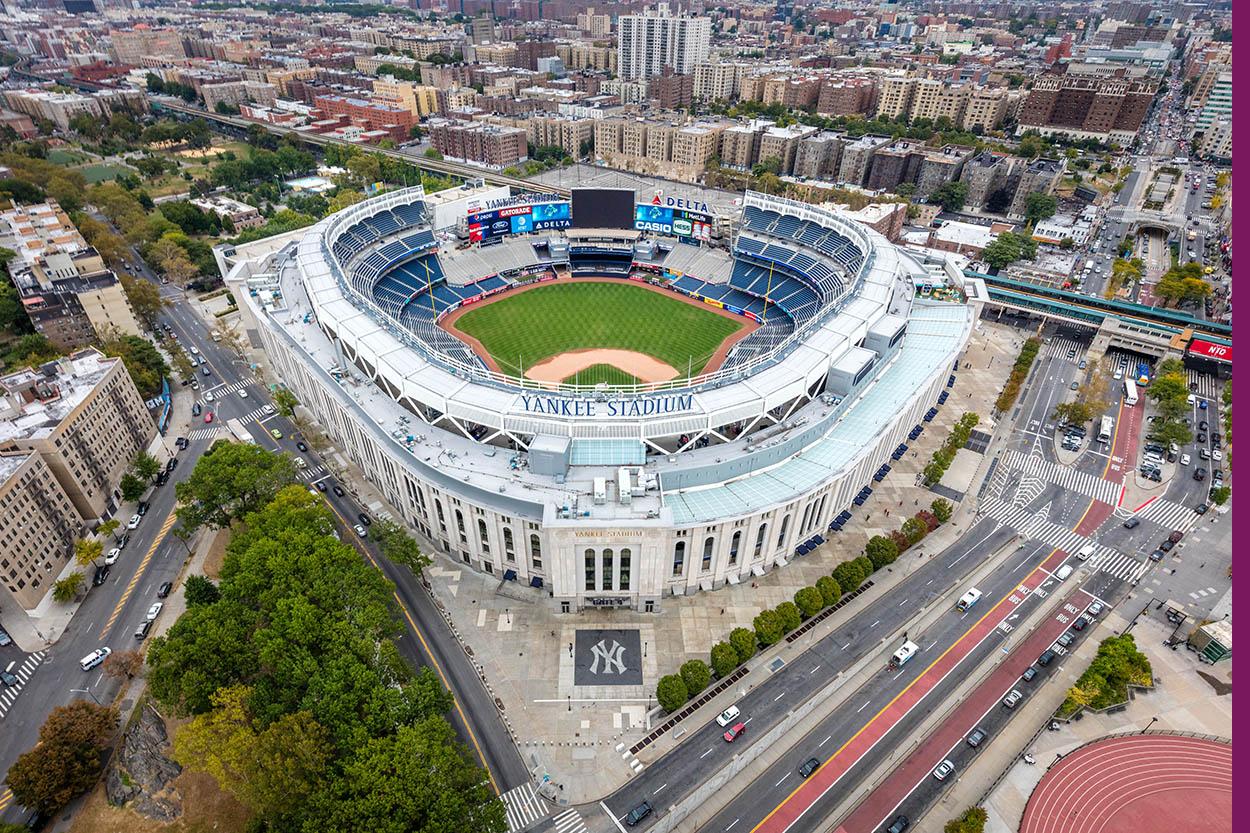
{"x":649,"y":406}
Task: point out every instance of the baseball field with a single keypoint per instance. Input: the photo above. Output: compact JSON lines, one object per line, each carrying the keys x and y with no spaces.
{"x":587,"y":327}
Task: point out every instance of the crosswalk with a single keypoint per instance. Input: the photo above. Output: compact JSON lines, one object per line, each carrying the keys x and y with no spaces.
{"x":523,"y":806}
{"x":314,"y":473}
{"x":1068,"y":478}
{"x":1169,"y":515}
{"x":256,"y":415}
{"x":1059,"y":346}
{"x":206,"y":433}
{"x":1205,"y":385}
{"x":23,"y":673}
{"x":1035,"y":525}
{"x":226,"y":390}
{"x":570,"y":821}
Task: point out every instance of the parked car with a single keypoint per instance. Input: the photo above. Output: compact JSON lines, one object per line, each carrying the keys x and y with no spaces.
{"x":976,"y":737}
{"x":113,"y":555}
{"x":943,"y":770}
{"x":364,"y":519}
{"x":164,"y":590}
{"x":361,"y":531}
{"x":1080,"y":623}
{"x":1012,"y":699}
{"x":100,"y":576}
{"x":899,"y":824}
{"x":1065,"y":639}
{"x":155,"y":610}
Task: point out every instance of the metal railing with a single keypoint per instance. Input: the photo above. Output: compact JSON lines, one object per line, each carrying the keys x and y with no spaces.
{"x":334,"y":227}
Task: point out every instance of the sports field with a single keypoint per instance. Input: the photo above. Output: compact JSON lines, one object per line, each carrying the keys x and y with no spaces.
{"x":523,"y":329}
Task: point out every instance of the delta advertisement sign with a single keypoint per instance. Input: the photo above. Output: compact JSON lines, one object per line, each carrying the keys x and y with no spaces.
{"x":519,"y":219}
{"x":688,"y":219}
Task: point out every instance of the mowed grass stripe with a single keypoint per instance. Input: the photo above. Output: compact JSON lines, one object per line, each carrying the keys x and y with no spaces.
{"x":606,"y":373}
{"x":522,"y":330}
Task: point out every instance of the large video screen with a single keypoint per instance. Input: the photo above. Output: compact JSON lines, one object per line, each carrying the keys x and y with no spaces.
{"x":603,"y":208}
{"x":518,"y":219}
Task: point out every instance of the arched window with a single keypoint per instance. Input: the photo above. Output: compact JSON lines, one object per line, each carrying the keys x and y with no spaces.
{"x":482,"y":536}
{"x":781,"y":536}
{"x":590,"y":569}
{"x":464,"y":536}
{"x":626,"y":558}
{"x":708,"y":545}
{"x":679,"y":558}
{"x":759,"y":540}
{"x":536,"y":552}
{"x":509,"y":552}
{"x":607,"y":569}
{"x":733,"y":547}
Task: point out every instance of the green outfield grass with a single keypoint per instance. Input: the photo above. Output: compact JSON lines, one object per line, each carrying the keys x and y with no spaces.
{"x":524,"y":329}
{"x":605,"y":373}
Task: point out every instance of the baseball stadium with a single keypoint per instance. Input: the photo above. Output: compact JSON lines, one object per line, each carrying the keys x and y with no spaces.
{"x":610,"y":402}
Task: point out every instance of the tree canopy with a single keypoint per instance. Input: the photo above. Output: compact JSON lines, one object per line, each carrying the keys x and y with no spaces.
{"x":230,"y":481}
{"x":68,"y":758}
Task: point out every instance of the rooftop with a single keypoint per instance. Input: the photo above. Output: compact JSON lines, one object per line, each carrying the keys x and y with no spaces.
{"x":35,"y":400}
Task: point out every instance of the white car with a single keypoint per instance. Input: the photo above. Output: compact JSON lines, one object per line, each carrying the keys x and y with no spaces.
{"x":208,"y":395}
{"x":728,"y":717}
{"x":268,"y":410}
{"x":1217,"y":455}
{"x":1184,"y":459}
{"x":943,"y":770}
{"x":113,"y":555}
{"x":134,"y":522}
{"x":155,"y":610}
{"x":361,"y":531}
{"x":243,"y":394}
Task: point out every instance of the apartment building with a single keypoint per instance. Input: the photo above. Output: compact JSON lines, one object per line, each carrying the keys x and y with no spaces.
{"x":397,"y":122}
{"x":60,"y":108}
{"x":1038,"y":176}
{"x":984,"y":174}
{"x":670,"y":91}
{"x":894,"y":96}
{"x":235,"y":93}
{"x":491,"y":145}
{"x":818,"y":156}
{"x":418,"y":99}
{"x":574,"y":136}
{"x":934,"y":99}
{"x":579,"y":55}
{"x":654,"y":147}
{"x":647,"y":43}
{"x":1084,"y":106}
{"x":240,"y":214}
{"x":740,"y":143}
{"x":1217,"y":106}
{"x":66,"y":290}
{"x":857,"y":157}
{"x":595,"y":25}
{"x":986,"y":108}
{"x":718,"y":81}
{"x":38,"y":527}
{"x":782,"y":144}
{"x":83,"y":415}
{"x":131,"y":46}
{"x":846,"y":97}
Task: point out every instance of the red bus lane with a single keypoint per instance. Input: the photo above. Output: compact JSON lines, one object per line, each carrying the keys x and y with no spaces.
{"x":885,"y":799}
{"x":824,"y":779}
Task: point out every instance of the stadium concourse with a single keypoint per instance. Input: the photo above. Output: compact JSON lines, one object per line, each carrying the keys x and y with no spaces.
{"x":617,"y":491}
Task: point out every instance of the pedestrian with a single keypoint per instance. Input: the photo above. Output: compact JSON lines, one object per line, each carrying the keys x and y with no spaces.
{"x":887,"y":513}
{"x":722,"y":611}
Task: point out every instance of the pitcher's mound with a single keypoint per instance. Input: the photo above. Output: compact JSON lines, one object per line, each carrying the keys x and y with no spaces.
{"x":642,"y":367}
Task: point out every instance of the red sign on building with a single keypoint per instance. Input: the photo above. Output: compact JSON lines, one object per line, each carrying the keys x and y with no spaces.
{"x":1210,"y":350}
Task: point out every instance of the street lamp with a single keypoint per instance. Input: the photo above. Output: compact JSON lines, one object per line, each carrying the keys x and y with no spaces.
{"x":90,"y":694}
{"x":1151,"y":723}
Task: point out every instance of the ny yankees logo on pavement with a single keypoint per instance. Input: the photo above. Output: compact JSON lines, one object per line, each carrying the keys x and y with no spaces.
{"x":612,"y":657}
{"x":607,"y":656}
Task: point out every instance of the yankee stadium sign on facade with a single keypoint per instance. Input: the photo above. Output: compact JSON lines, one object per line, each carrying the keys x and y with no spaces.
{"x":579,"y":407}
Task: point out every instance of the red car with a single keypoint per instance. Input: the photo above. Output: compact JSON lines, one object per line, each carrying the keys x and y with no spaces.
{"x":208,"y":417}
{"x":734,"y":731}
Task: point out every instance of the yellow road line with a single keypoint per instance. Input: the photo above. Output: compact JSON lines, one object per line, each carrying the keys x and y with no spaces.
{"x":6,"y":799}
{"x":160,"y":537}
{"x":434,"y":662}
{"x":919,"y":677}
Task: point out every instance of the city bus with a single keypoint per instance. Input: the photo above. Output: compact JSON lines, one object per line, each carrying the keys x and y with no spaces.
{"x":240,"y":433}
{"x":1105,"y":429}
{"x":1130,"y":392}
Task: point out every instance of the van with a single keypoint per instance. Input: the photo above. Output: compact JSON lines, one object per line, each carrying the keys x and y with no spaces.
{"x":1085,"y":551}
{"x":94,"y":658}
{"x":141,"y":632}
{"x":968,"y":599}
{"x":1063,"y":572}
{"x":902,"y":655}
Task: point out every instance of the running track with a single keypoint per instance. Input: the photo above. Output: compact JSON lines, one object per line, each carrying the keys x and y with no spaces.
{"x":1140,"y":783}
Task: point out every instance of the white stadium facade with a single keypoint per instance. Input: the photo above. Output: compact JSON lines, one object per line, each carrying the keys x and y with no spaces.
{"x":612,"y":496}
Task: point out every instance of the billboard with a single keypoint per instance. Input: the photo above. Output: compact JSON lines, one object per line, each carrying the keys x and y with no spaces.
{"x":679,"y":222}
{"x":603,"y":208}
{"x":1211,"y":350}
{"x":518,"y":219}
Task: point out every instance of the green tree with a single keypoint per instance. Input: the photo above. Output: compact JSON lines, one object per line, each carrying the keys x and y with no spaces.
{"x":848,"y":576}
{"x":941,"y":509}
{"x":789,"y":616}
{"x":274,"y":769}
{"x":809,"y":601}
{"x":972,"y":821}
{"x":200,"y":590}
{"x":671,"y":693}
{"x":830,"y":592}
{"x":914,"y":529}
{"x":1220,"y":496}
{"x":237,"y":478}
{"x":724,"y":659}
{"x":66,"y":590}
{"x":1038,"y":206}
{"x":109,"y":528}
{"x":767,"y":627}
{"x":142,"y":360}
{"x":744,"y":642}
{"x":1075,"y":412}
{"x":145,"y":298}
{"x":1167,"y":431}
{"x":398,"y":546}
{"x":950,"y":196}
{"x":145,"y":466}
{"x":881,"y":551}
{"x":132,"y":487}
{"x":418,"y":778}
{"x":286,"y":402}
{"x":696,"y":675}
{"x":68,"y":758}
{"x":87,"y":550}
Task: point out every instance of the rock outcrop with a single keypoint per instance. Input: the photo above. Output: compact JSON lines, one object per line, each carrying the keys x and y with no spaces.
{"x":140,"y":776}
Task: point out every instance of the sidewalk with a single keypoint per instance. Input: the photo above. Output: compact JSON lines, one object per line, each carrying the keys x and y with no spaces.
{"x":521,"y":647}
{"x":1189,"y":697}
